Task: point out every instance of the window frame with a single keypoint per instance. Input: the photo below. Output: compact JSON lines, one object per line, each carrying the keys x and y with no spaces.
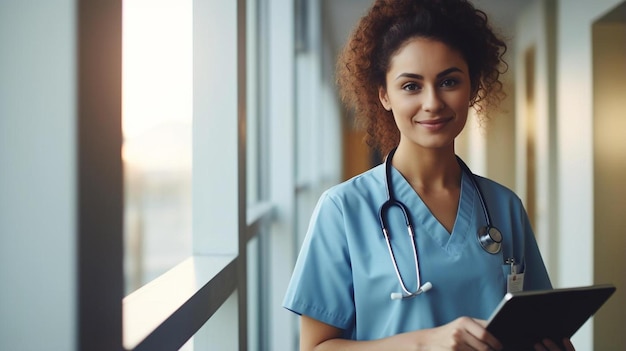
{"x":99,"y":174}
{"x":197,"y":288}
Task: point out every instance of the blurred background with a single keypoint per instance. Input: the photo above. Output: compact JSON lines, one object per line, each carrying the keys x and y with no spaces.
{"x":160,"y":160}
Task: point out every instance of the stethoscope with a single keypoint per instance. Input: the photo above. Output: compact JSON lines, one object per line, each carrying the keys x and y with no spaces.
{"x":489,"y":237}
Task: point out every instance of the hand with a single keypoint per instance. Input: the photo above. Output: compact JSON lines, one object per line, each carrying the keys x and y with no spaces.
{"x":464,"y":334}
{"x":549,"y":345}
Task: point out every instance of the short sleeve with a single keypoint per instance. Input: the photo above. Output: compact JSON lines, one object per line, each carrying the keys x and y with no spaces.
{"x":321,"y":285}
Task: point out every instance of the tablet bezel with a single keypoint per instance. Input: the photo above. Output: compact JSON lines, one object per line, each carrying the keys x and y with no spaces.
{"x":524,"y":318}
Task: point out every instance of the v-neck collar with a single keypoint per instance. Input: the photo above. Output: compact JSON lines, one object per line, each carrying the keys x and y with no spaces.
{"x":425,"y":223}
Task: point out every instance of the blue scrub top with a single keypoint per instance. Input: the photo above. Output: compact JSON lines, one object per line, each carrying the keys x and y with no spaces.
{"x":344,"y":275}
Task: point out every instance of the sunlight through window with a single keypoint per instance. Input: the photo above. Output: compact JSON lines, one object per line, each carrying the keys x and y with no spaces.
{"x":157,"y":118}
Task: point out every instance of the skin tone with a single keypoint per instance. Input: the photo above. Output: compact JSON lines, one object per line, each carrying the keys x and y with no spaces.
{"x":428,"y":90}
{"x":429,"y":96}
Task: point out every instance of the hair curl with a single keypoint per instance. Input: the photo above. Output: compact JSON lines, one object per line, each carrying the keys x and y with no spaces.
{"x":365,"y":59}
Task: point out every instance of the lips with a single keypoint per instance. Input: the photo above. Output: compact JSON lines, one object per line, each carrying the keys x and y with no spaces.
{"x":435,"y":123}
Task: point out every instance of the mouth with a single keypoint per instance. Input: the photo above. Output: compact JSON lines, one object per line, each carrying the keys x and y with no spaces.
{"x":435,"y":123}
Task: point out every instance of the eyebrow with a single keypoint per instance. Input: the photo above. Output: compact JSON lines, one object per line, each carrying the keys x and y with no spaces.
{"x":420,"y":77}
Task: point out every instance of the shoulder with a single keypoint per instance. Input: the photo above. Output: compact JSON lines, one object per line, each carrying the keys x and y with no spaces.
{"x":497,"y":192}
{"x":364,"y":185}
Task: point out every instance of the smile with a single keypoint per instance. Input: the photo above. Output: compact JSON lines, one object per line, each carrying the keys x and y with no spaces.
{"x":434,"y":124}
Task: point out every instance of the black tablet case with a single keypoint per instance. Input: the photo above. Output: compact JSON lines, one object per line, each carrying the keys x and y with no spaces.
{"x":524,"y":318}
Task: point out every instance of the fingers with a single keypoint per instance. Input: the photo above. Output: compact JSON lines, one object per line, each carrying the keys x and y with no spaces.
{"x":481,"y":322}
{"x":568,"y":345}
{"x":463,"y":333}
{"x":477,"y":329}
{"x":480,"y":337}
{"x":549,"y":345}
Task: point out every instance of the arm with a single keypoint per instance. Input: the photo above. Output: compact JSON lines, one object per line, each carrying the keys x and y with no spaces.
{"x":461,"y":334}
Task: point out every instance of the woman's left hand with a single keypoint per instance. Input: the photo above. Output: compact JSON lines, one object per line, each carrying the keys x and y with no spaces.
{"x":549,"y":345}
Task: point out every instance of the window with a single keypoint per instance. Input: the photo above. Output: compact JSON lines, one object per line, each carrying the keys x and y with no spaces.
{"x":157,"y":122}
{"x":207,"y":284}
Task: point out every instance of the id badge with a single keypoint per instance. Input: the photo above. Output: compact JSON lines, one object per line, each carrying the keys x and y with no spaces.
{"x":514,"y":281}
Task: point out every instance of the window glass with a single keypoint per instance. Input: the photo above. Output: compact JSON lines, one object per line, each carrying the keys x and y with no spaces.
{"x":156,"y":120}
{"x":253,"y":125}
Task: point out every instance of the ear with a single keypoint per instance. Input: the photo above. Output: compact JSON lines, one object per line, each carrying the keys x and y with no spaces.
{"x":384,"y":98}
{"x":473,"y":96}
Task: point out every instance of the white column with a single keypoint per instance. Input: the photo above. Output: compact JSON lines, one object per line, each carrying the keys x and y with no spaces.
{"x":38,"y":175}
{"x":280,"y":115}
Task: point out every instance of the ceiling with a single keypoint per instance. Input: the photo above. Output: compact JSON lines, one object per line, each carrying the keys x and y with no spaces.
{"x":342,"y":15}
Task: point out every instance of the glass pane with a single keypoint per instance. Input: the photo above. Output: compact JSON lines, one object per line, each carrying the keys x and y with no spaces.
{"x":157,"y":118}
{"x":253,"y":125}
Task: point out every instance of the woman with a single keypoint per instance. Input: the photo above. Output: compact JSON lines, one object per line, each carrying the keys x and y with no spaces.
{"x":411,"y":70}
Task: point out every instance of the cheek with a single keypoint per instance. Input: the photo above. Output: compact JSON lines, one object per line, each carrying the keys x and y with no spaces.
{"x":403,"y":116}
{"x":460,"y":102}
{"x":406,"y":106}
{"x":462,"y":107}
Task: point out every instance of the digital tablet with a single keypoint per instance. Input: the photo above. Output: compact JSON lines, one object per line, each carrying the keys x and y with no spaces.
{"x":524,"y":318}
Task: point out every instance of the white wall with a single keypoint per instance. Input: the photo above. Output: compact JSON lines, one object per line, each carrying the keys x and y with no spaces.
{"x":37,"y":175}
{"x":575,"y":122}
{"x":575,"y":145}
{"x":609,"y":42}
{"x":533,"y":35}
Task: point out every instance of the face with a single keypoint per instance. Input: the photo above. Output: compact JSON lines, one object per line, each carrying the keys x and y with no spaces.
{"x":428,"y":90}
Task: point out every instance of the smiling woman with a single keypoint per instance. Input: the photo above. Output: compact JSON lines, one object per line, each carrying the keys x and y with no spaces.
{"x":411,"y":70}
{"x":157,"y":115}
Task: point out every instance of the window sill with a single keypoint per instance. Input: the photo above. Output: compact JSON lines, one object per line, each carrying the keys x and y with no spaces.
{"x":188,"y":295}
{"x":165,"y":313}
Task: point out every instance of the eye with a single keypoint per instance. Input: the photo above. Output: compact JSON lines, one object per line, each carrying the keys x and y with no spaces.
{"x":449,"y":82}
{"x":410,"y":87}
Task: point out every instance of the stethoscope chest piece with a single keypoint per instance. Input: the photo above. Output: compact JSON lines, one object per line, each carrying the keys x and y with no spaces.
{"x":490,"y":239}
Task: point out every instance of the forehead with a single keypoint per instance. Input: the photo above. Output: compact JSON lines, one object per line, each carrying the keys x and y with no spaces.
{"x":425,"y":56}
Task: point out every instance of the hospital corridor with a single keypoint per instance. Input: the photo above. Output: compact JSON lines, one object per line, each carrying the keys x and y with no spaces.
{"x":161,"y":161}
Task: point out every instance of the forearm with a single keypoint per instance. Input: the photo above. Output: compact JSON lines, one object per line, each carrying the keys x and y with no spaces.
{"x":400,"y":342}
{"x":459,"y":334}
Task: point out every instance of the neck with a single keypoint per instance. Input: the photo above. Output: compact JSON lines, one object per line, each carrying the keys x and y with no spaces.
{"x":428,"y":169}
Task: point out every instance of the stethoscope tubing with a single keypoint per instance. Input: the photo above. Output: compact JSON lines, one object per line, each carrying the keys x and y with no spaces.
{"x":481,"y":199}
{"x":485,"y":235}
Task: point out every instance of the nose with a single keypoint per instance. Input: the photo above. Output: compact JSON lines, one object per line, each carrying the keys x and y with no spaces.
{"x":432,"y":101}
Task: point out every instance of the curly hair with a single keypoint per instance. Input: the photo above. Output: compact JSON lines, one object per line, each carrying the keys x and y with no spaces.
{"x":385,"y":28}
